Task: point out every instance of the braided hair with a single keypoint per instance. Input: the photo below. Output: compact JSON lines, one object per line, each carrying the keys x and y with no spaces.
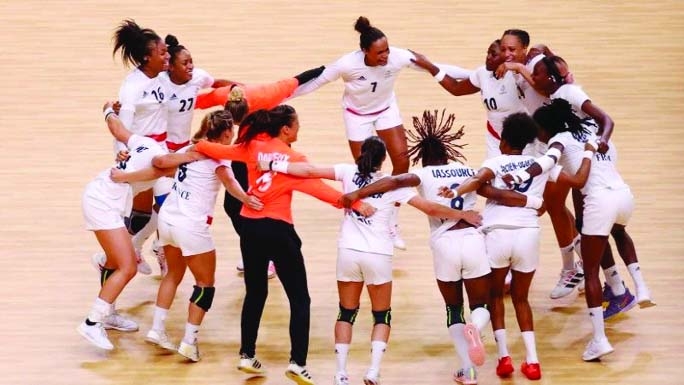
{"x":373,"y":152}
{"x":432,"y":142}
{"x":558,"y":116}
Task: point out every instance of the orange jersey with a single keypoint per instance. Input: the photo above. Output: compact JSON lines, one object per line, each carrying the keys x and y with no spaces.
{"x":258,"y":96}
{"x":272,"y":188}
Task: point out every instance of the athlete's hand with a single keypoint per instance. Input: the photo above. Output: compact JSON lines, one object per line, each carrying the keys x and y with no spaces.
{"x":505,"y":67}
{"x":366,"y":210}
{"x":472,"y":217}
{"x":347,"y":200}
{"x":107,"y":105}
{"x":117,"y":175}
{"x":509,"y":180}
{"x":122,"y":156}
{"x":602,"y":145}
{"x":589,"y":146}
{"x":445,"y":192}
{"x":422,"y":61}
{"x":253,"y":202}
{"x":116,"y":107}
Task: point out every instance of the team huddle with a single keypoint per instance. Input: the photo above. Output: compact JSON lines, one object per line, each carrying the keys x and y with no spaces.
{"x":544,"y":138}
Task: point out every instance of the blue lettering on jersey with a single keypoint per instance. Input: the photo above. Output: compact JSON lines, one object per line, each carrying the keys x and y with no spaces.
{"x":603,"y":157}
{"x":452,"y":172}
{"x":512,"y":166}
{"x":183,"y":194}
{"x":361,"y":182}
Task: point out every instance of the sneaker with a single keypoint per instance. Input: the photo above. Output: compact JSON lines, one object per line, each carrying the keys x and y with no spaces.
{"x":161,"y":339}
{"x":95,"y":334}
{"x":466,"y":376}
{"x":98,"y":260}
{"x":341,"y":379}
{"x":372,"y":377}
{"x":271,"y":270}
{"x":644,"y":298}
{"x":118,"y":322}
{"x":505,"y":367}
{"x":143,"y":267}
{"x":396,"y":238}
{"x":569,"y":279}
{"x":619,"y":304}
{"x":299,"y":374}
{"x":250,"y":365}
{"x":161,"y":258}
{"x":597,"y":349}
{"x":607,"y":293}
{"x":476,"y":350}
{"x":531,"y":371}
{"x":189,"y":351}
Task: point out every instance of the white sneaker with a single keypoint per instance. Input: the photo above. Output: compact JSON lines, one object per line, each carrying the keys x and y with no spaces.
{"x":161,"y":258}
{"x":250,"y":365}
{"x":189,"y":351}
{"x":466,"y":376}
{"x":271,"y":270}
{"x":119,"y":322}
{"x":396,"y":238}
{"x":341,"y":379}
{"x":644,"y":298}
{"x":143,"y":266}
{"x":372,"y":377}
{"x":161,"y":339}
{"x":298,"y":374}
{"x":98,"y":260}
{"x":95,"y":334}
{"x":569,"y":280}
{"x":597,"y":349}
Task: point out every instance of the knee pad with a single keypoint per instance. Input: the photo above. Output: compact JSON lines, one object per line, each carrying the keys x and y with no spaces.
{"x":347,"y":315}
{"x":136,"y":221}
{"x":454,"y":315}
{"x":382,"y":317}
{"x":105,"y":274}
{"x":203,"y":296}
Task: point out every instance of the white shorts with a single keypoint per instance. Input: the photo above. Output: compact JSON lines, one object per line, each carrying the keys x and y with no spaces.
{"x":100,"y":213}
{"x":191,"y":242}
{"x":162,"y":186}
{"x":361,"y":127}
{"x":361,"y":266}
{"x":517,"y":248}
{"x":459,"y":254}
{"x":604,"y":209}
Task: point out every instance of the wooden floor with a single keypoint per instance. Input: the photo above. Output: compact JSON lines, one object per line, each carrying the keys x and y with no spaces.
{"x":57,"y":70}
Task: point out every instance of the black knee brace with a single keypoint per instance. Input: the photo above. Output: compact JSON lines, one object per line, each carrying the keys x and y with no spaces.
{"x":382,"y":317}
{"x":347,"y":315}
{"x":454,"y":315}
{"x":136,"y":221}
{"x":203,"y":296}
{"x":105,"y":274}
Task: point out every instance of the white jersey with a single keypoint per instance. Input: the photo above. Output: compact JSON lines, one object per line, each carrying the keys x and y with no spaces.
{"x":450,"y":175}
{"x":367,"y":90}
{"x":143,"y":108}
{"x":193,"y":195}
{"x":500,"y":216}
{"x":181,"y":103}
{"x":141,"y":151}
{"x":501,"y":97}
{"x":370,"y":234}
{"x":576,"y":97}
{"x":532,"y":99}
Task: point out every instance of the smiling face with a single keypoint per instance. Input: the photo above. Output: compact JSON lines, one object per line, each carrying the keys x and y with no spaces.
{"x":180,"y":69}
{"x":494,"y":57}
{"x":378,"y":53}
{"x":512,"y":49}
{"x":157,"y":58}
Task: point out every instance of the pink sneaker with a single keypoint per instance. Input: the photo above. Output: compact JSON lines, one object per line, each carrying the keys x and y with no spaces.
{"x":476,"y":350}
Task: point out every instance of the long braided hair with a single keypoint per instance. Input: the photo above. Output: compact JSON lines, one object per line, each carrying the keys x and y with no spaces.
{"x":432,"y":142}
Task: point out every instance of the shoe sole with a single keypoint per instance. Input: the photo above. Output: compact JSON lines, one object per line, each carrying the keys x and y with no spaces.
{"x":476,"y":350}
{"x":367,"y":381}
{"x":646,"y":303}
{"x":596,"y":357}
{"x":193,"y":358}
{"x":251,"y":370}
{"x":159,"y":345}
{"x":112,"y":327}
{"x":92,"y":341}
{"x":298,"y":379}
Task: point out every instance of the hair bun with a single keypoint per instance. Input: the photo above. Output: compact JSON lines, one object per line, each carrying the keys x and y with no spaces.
{"x":236,"y":95}
{"x":171,"y":40}
{"x":362,"y":24}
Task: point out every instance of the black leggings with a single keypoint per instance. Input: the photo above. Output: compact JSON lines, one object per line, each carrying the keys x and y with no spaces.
{"x":267,"y":239}
{"x":231,"y":205}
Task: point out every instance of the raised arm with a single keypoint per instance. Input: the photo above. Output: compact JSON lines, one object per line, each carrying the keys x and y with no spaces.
{"x":453,"y":86}
{"x":115,"y":125}
{"x":220,"y":151}
{"x":604,"y":121}
{"x":329,"y":74}
{"x":298,"y":169}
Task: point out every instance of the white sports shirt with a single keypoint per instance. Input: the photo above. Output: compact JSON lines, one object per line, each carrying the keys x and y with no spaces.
{"x":450,"y":175}
{"x":143,"y":108}
{"x":576,"y":97}
{"x":181,"y":103}
{"x":367,"y":90}
{"x":500,"y":216}
{"x":501,"y":97}
{"x":193,"y":195}
{"x":532,"y":99}
{"x":370,"y":234}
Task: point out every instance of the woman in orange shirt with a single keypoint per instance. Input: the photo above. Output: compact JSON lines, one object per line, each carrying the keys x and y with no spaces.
{"x":270,"y":234}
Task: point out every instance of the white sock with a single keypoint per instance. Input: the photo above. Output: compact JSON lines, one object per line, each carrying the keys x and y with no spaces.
{"x":568,"y":257}
{"x":577,"y":245}
{"x":377,"y":350}
{"x":159,"y":318}
{"x":480,"y":318}
{"x":531,"y":347}
{"x":394,"y":221}
{"x":596,"y":317}
{"x":460,"y":344}
{"x":614,"y":280}
{"x":100,"y":309}
{"x":141,"y":236}
{"x":635,"y":272}
{"x":191,"y":332}
{"x":341,"y":353}
{"x":500,"y":337}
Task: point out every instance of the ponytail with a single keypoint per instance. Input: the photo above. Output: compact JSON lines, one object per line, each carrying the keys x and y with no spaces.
{"x":373,"y":152}
{"x":133,"y":42}
{"x":213,"y":125}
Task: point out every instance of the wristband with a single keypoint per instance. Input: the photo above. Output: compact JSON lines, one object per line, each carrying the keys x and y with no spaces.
{"x":534,"y":202}
{"x":521,"y":176}
{"x":455,"y":191}
{"x":108,"y":111}
{"x":588,"y":154}
{"x":440,"y":75}
{"x":278,"y":166}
